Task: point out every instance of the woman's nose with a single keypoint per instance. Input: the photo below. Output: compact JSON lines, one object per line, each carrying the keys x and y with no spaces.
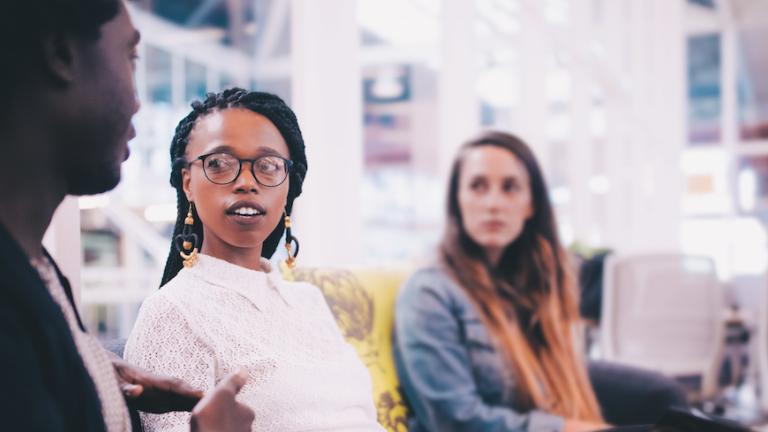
{"x":246,"y":180}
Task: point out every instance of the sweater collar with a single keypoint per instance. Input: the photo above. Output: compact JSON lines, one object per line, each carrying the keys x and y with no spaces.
{"x":251,"y":284}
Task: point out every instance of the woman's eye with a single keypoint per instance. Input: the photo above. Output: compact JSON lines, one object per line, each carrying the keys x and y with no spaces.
{"x":478,"y":185}
{"x":510,"y":186}
{"x":268,"y":165}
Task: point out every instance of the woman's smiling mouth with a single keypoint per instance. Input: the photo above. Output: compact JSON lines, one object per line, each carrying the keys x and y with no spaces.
{"x":246,"y":212}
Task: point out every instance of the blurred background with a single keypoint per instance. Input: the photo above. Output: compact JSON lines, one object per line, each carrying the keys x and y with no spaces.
{"x":649,"y":117}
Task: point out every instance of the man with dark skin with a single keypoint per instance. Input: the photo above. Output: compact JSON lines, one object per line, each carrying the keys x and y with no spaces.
{"x":65,"y":121}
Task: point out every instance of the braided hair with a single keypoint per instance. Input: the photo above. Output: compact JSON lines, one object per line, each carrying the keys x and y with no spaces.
{"x":277,"y":112}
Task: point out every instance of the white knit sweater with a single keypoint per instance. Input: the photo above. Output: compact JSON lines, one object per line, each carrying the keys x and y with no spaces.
{"x":216,"y":317}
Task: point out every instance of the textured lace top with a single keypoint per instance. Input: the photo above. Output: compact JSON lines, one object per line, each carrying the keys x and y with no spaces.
{"x":95,"y":358}
{"x":216,"y":317}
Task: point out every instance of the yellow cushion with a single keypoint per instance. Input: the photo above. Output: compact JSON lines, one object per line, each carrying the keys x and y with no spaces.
{"x":363,"y":303}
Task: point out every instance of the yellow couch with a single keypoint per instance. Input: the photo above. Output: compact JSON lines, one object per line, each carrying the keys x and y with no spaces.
{"x":363,"y":303}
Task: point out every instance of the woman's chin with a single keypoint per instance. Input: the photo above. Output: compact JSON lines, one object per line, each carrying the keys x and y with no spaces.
{"x":495,"y":243}
{"x":246,"y":240}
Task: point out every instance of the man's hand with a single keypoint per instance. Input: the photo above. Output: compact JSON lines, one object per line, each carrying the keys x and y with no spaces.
{"x":152,"y":393}
{"x":218,"y":411}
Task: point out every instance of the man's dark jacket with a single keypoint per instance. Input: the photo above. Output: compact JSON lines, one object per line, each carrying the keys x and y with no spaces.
{"x":44,"y":385}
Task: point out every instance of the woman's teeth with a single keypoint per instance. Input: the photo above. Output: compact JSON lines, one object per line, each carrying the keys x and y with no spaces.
{"x":247,"y":211}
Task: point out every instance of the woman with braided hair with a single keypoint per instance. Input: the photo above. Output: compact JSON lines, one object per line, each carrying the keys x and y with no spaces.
{"x":238,"y":162}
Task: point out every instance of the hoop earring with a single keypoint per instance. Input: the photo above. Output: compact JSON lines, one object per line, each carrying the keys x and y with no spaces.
{"x":290,"y":262}
{"x":187,"y":242}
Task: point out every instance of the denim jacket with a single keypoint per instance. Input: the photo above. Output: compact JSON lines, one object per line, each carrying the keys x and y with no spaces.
{"x":451,"y":372}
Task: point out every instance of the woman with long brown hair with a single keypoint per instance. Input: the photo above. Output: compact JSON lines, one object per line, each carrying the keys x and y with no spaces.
{"x":485,"y":339}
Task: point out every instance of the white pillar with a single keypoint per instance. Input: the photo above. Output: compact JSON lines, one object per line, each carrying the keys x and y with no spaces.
{"x":729,"y":111}
{"x":458,"y":104}
{"x":327,"y":99}
{"x":638,"y":139}
{"x":178,"y":81}
{"x":660,"y":107}
{"x":580,"y":154}
{"x":531,"y":122}
{"x":617,"y":99}
{"x":646,"y":123}
{"x":62,"y":240}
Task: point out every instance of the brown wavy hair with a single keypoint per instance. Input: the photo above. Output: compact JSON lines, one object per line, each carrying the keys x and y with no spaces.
{"x":529,"y":300}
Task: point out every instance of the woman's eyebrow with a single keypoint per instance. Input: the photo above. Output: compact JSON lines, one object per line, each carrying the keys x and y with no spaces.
{"x":261,"y":150}
{"x":269,"y":151}
{"x":221,"y":148}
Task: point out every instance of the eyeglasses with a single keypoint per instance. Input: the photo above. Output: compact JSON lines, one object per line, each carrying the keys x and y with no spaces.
{"x":223,"y":168}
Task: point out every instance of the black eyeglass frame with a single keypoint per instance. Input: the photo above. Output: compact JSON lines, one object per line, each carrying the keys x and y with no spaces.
{"x":288,"y":167}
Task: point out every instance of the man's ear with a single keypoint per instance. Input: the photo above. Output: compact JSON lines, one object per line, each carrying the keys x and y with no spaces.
{"x":59,"y":57}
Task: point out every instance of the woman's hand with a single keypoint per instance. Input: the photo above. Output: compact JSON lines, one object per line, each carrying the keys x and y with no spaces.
{"x":582,"y":426}
{"x":218,"y":411}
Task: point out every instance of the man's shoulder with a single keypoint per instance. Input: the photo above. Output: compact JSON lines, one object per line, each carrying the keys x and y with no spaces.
{"x":22,"y":293}
{"x":28,"y":311}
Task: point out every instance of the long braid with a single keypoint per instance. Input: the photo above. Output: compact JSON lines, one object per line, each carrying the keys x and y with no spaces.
{"x":271,"y":107}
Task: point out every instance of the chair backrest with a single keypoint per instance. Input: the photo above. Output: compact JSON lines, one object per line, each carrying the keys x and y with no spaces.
{"x":751,"y":293}
{"x":664,"y":312}
{"x":363,"y":303}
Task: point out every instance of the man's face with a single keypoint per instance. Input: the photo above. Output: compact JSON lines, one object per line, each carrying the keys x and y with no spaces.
{"x":103,"y":97}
